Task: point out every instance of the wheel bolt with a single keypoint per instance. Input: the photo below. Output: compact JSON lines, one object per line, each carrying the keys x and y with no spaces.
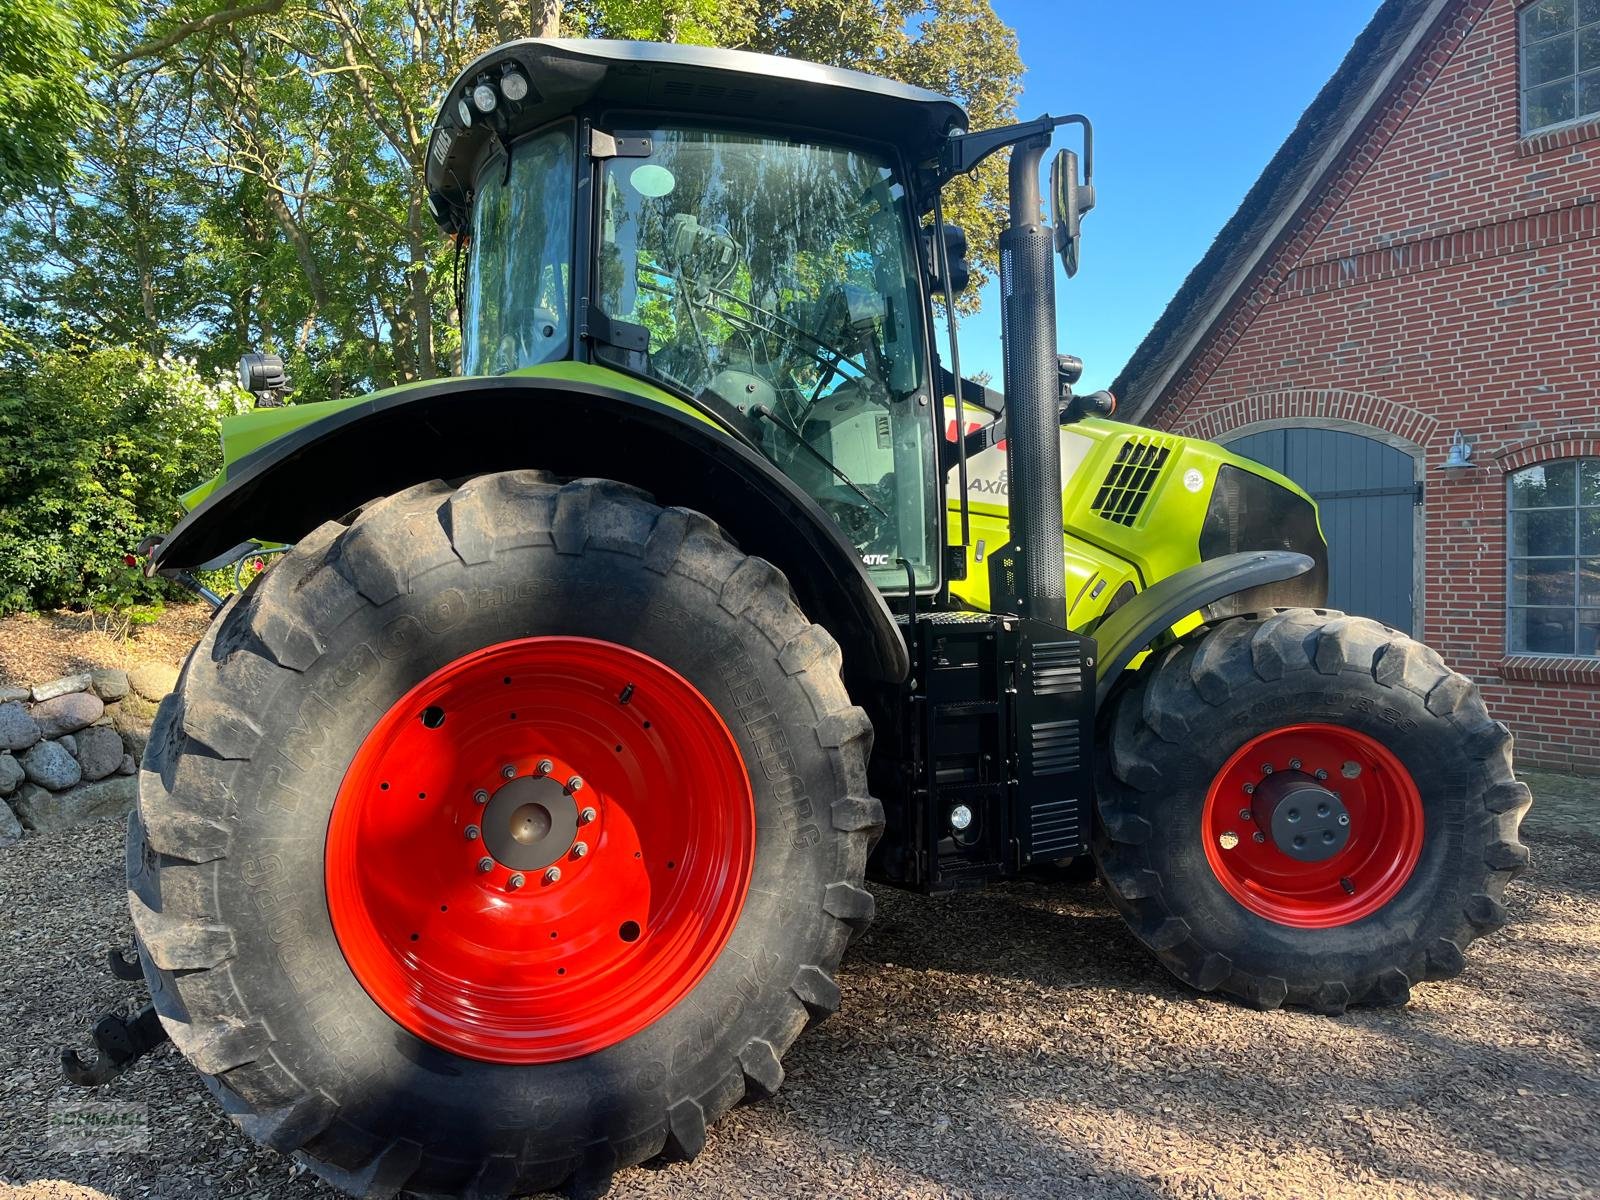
{"x":1294,"y":764}
{"x":545,"y":766}
{"x":574,"y":785}
{"x":552,"y":874}
{"x":509,"y":771}
{"x":1266,"y":768}
{"x":481,"y":796}
{"x":586,"y":816}
{"x":579,"y":849}
{"x":472,"y":832}
{"x":1258,"y":836}
{"x":1321,"y":774}
{"x":1245,"y":814}
{"x":485,"y":864}
{"x":1249,"y":789}
{"x":516,"y":881}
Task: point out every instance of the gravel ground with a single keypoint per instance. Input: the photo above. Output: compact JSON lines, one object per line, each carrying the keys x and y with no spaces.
{"x":1009,"y":1043}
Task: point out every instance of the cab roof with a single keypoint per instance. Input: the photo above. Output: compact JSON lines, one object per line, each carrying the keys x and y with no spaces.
{"x":565,"y":75}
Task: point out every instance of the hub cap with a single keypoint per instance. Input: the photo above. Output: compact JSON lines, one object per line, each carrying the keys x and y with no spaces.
{"x":540,"y":849}
{"x":1313,"y":825}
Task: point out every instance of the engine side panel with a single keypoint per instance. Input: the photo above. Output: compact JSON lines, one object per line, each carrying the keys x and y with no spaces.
{"x":1138,"y":506}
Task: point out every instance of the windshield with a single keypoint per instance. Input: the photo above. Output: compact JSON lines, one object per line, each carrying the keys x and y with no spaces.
{"x":518,"y":278}
{"x":774,"y":281}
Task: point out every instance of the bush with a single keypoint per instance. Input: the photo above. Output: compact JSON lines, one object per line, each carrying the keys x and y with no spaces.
{"x":95,"y":449}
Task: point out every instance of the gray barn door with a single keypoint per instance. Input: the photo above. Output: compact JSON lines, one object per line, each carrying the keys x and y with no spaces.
{"x":1366,"y":492}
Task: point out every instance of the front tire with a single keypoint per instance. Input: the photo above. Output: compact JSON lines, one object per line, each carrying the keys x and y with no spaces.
{"x":411,"y":1002}
{"x":1396,"y":811}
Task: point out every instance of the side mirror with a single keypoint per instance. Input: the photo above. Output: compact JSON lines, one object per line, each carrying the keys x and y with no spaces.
{"x":955,"y":253}
{"x":1069,"y":200}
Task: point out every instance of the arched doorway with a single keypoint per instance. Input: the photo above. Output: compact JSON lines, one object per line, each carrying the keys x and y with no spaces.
{"x":1368,"y":495}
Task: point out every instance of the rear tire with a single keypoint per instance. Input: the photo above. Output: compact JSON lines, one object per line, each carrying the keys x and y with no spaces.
{"x":228,"y":850}
{"x":1174,"y":734}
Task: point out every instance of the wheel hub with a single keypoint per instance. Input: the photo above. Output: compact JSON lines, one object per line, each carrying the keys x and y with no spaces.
{"x":529,"y":823}
{"x":512,"y":870}
{"x":1314,"y":825}
{"x":1305,"y":820}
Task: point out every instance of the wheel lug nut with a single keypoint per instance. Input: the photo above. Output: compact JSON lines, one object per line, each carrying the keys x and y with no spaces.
{"x":1321,"y":774}
{"x":480,"y":796}
{"x":516,"y":881}
{"x":574,"y":785}
{"x":1258,"y":836}
{"x":1344,"y":818}
{"x":1249,"y":789}
{"x":1245,"y":814}
{"x":485,"y":864}
{"x":552,"y":874}
{"x":545,"y":766}
{"x":586,"y":816}
{"x":472,"y":832}
{"x":579,"y":849}
{"x":1294,"y":764}
{"x":508,"y":771}
{"x":1266,"y":768}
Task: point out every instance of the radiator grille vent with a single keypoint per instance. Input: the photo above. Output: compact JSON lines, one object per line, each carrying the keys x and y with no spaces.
{"x":1055,"y":828}
{"x":1057,"y":668}
{"x":1055,"y":747}
{"x":1131,"y":478}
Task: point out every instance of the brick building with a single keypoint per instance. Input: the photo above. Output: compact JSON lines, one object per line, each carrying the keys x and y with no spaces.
{"x":1421,"y":260}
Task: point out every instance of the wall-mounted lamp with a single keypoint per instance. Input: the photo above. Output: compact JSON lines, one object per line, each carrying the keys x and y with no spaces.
{"x":1460,"y":456}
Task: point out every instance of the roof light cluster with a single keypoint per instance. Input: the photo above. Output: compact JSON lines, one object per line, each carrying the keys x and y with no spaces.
{"x":484,"y":96}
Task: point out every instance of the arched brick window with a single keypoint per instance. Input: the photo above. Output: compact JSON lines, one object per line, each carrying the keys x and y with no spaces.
{"x":1554,"y":543}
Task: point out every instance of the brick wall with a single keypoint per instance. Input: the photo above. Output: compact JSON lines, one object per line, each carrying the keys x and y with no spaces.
{"x":1446,"y":278}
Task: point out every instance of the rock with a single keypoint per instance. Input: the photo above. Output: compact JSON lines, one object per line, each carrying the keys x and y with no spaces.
{"x":68,"y":714}
{"x":127,"y":766}
{"x":133,"y":725}
{"x":153,"y":680}
{"x":7,"y":694}
{"x":11,"y":774}
{"x":46,"y":811}
{"x":49,"y":765}
{"x":18,"y":730}
{"x":69,"y":744}
{"x":109,"y":684}
{"x":10,"y":827}
{"x":99,"y":752}
{"x":61,"y":687}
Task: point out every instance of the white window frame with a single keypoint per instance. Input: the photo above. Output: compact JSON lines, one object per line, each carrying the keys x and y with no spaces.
{"x":1577,"y":508}
{"x":1525,"y":46}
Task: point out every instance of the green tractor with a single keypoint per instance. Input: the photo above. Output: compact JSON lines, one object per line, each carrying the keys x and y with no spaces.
{"x":510,"y":827}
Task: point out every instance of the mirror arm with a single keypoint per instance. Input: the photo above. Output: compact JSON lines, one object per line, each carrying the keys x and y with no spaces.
{"x":965,"y":151}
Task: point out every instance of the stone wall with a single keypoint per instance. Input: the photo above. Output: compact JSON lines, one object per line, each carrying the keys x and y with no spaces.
{"x":70,"y":747}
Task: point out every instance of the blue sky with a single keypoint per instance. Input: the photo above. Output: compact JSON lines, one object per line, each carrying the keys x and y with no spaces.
{"x":1189,"y":101}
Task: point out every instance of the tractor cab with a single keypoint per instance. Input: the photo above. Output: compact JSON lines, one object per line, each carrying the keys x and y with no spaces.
{"x":639,"y":207}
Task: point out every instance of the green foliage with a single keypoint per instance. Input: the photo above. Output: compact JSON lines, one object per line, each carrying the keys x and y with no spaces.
{"x":47,"y":55}
{"x":206,"y":177}
{"x":252,"y":175}
{"x":96,"y":448}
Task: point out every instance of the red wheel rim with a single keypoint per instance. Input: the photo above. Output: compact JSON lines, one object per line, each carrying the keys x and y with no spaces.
{"x":589,"y":948}
{"x":1250,"y":853}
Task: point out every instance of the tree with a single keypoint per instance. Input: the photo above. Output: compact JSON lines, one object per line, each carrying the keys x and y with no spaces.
{"x":48,"y":51}
{"x":254,"y":174}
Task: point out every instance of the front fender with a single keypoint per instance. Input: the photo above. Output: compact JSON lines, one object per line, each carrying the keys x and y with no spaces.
{"x":1150,"y":613}
{"x":462,"y":427}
